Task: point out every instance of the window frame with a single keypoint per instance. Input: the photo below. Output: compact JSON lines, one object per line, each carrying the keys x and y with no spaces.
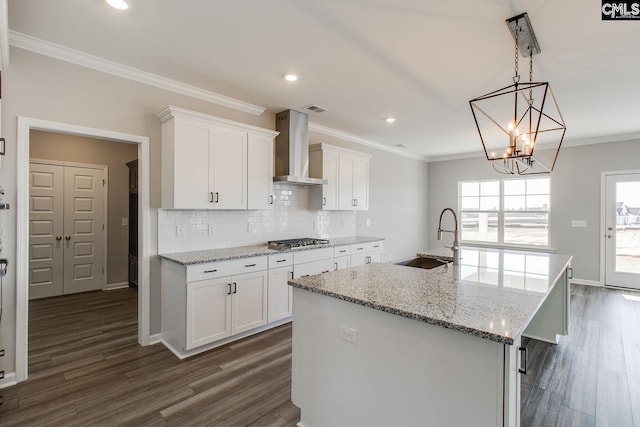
{"x":500,"y":243}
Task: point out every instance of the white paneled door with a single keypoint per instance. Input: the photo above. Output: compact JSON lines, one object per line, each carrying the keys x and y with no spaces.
{"x":66,"y":230}
{"x":622,"y":230}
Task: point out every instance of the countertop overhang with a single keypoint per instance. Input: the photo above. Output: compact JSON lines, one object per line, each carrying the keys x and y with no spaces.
{"x":493,"y":293}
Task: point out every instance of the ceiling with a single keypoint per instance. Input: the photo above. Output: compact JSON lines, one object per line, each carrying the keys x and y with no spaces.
{"x":364,"y":60}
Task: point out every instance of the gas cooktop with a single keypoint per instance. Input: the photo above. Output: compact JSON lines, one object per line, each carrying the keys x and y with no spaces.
{"x":296,"y":243}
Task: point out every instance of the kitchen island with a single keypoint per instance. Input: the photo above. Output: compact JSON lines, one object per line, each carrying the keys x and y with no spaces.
{"x":386,"y":344}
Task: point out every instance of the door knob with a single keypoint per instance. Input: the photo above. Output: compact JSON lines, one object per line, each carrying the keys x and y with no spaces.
{"x":609,"y":228}
{"x":67,"y":237}
{"x":58,"y":238}
{"x":608,"y":236}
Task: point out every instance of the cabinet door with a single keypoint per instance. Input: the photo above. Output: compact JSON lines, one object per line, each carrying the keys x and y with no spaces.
{"x":375,"y":256}
{"x":361,"y":183}
{"x":359,"y":259}
{"x":229,"y":169}
{"x":341,"y":262}
{"x":191,"y":177}
{"x":280,"y":293}
{"x":330,"y":173}
{"x":208,"y":311}
{"x":249,"y":301}
{"x":345,"y":182}
{"x":259,"y":172}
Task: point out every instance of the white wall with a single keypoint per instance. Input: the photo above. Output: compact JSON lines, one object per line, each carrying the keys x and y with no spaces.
{"x":575,"y":194}
{"x":39,"y":87}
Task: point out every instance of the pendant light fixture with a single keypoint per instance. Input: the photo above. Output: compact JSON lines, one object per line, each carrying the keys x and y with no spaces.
{"x":515,"y":122}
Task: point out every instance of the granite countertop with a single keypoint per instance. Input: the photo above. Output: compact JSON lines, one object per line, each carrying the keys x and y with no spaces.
{"x":492,"y":294}
{"x":224,"y":254}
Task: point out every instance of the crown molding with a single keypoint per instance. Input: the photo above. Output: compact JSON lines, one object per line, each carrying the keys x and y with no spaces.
{"x":314,"y":127}
{"x":4,"y":34}
{"x":43,"y":47}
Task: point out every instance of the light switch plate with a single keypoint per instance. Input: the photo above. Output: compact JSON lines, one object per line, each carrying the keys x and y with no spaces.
{"x":180,"y":230}
{"x":348,"y":334}
{"x":125,"y":222}
{"x":578,"y":223}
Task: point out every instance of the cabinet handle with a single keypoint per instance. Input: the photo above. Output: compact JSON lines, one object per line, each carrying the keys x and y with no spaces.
{"x":250,"y":265}
{"x":235,"y":288}
{"x":523,"y":350}
{"x":376,"y":246}
{"x":342,"y":251}
{"x":326,"y":271}
{"x":305,"y":275}
{"x":335,"y":266}
{"x":281,"y":260}
{"x":353,"y":202}
{"x":271,"y":199}
{"x":229,"y":293}
{"x":217,"y":199}
{"x":367,"y":259}
{"x":67,"y":237}
{"x":324,"y":201}
{"x":570,"y":271}
{"x":356,"y":202}
{"x":291,"y":275}
{"x":359,"y":249}
{"x":210,"y":271}
{"x":58,"y":238}
{"x":211,"y":197}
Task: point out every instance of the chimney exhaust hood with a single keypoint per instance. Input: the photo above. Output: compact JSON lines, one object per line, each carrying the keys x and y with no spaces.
{"x":292,"y":149}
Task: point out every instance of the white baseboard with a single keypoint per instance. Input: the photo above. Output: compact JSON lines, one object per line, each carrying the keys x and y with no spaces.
{"x":577,"y":281}
{"x":8,"y":380}
{"x":155,"y":339}
{"x":112,"y":286}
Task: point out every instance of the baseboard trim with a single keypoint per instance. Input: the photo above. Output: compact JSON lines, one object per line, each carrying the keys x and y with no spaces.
{"x":112,"y":286}
{"x":155,"y":339}
{"x":8,"y":380}
{"x":576,"y":281}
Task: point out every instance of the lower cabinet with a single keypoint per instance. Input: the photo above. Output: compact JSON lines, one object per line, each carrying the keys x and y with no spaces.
{"x":219,"y":308}
{"x":280,"y":293}
{"x":366,"y":253}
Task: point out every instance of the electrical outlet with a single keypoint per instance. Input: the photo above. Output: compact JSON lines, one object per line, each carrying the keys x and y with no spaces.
{"x":125,"y":222}
{"x":368,"y":222}
{"x":212,"y":229}
{"x":180,"y":230}
{"x":348,"y":334}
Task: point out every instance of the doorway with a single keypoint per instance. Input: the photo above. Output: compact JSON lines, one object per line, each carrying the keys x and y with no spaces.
{"x":25,"y":125}
{"x":622,"y":229}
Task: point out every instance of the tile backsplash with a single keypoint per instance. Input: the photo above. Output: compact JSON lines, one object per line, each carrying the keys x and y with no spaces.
{"x":290,"y":217}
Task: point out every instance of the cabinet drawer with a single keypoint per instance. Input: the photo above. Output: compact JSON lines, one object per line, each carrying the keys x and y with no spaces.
{"x":212,"y":270}
{"x":341,"y":251}
{"x":311,"y":268}
{"x":281,"y":260}
{"x":312,"y":255}
{"x":367,"y":247}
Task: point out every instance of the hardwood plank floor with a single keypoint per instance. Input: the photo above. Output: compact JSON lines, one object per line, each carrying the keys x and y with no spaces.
{"x":86,"y":368}
{"x":592,"y":377}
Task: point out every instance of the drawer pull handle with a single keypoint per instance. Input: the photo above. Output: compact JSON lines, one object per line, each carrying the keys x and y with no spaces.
{"x":271,"y":199}
{"x":210,"y":271}
{"x":376,"y":246}
{"x":235,"y":288}
{"x":359,"y":249}
{"x":281,"y":260}
{"x":217,"y":199}
{"x":343,"y":251}
{"x":335,"y":266}
{"x":305,"y":275}
{"x":523,"y":350}
{"x":326,"y":271}
{"x":229,"y":293}
{"x":250,"y":265}
{"x":211,"y":197}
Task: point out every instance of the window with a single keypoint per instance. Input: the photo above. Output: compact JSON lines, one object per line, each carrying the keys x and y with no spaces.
{"x":510,"y":212}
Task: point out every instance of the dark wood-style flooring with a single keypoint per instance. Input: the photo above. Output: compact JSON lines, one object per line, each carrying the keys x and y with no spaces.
{"x":86,"y":368}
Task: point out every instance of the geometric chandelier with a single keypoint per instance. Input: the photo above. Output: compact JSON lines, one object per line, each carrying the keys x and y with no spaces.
{"x":515,"y":121}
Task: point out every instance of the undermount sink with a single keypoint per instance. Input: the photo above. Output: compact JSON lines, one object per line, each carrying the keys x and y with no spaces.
{"x":426,"y":263}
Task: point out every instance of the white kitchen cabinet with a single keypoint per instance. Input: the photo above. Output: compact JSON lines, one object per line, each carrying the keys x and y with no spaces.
{"x":280,"y":293}
{"x":323,"y":163}
{"x":260,"y":172}
{"x":367,"y":253}
{"x":206,"y":161}
{"x":312,"y":261}
{"x":342,"y":262}
{"x":208,"y":312}
{"x":347,"y":174}
{"x":248,"y":301}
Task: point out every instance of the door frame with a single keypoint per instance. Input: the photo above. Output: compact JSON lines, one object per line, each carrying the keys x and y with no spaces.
{"x":105,"y":175}
{"x":603,"y":219}
{"x":25,"y":125}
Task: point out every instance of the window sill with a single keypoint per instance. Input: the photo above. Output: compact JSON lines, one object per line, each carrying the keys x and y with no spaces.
{"x":545,"y":249}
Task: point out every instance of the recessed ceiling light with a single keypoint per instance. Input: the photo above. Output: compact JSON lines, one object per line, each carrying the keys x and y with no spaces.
{"x":390,"y":119}
{"x":118,"y":4}
{"x":290,"y":77}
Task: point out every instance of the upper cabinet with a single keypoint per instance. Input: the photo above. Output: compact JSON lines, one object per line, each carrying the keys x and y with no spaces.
{"x":347,"y":175}
{"x":214,"y":163}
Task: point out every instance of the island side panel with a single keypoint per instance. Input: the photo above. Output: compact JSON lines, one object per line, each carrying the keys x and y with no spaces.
{"x":400,"y":372}
{"x":552,"y":319}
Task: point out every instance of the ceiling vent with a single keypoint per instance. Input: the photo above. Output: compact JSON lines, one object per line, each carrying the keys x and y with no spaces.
{"x":315,"y":108}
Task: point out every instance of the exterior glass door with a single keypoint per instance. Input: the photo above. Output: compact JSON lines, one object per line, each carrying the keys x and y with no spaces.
{"x":622,"y":230}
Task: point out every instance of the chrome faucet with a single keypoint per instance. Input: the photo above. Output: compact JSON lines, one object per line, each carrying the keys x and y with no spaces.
{"x":454,"y":247}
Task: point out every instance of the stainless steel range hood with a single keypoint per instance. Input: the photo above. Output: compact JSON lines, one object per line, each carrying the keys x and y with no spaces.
{"x":292,"y":149}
